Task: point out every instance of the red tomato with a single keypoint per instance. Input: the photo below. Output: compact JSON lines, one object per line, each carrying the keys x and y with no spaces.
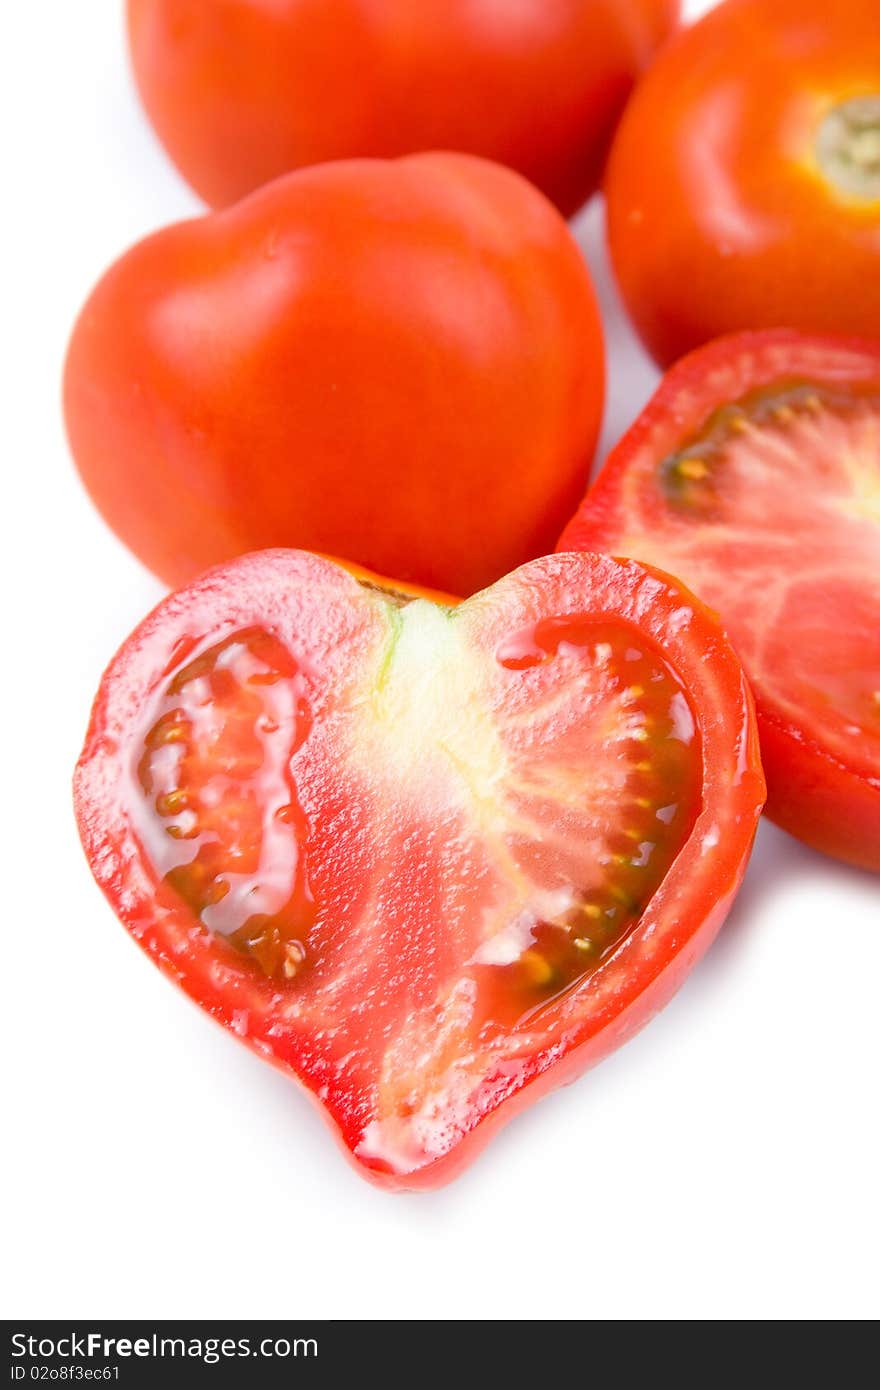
{"x":743,"y":189}
{"x":399,"y":363}
{"x":754,"y":475}
{"x":241,"y":91}
{"x":432,"y":861}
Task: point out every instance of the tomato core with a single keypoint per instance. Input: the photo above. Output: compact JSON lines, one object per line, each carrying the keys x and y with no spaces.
{"x":848,"y":147}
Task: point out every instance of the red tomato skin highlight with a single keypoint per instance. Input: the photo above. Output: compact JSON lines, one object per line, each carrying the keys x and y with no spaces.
{"x":829,"y":805}
{"x":719,"y":216}
{"x":400,"y":363}
{"x":241,"y":91}
{"x":681,"y":918}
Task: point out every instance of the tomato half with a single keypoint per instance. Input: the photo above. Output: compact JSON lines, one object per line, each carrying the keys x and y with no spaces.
{"x":432,"y":861}
{"x":754,"y":475}
{"x":400,"y":363}
{"x":241,"y":91}
{"x":743,"y":190}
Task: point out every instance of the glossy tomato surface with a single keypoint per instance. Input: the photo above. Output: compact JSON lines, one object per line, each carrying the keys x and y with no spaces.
{"x":743,"y":189}
{"x":241,"y":91}
{"x":430,"y":860}
{"x":400,"y":363}
{"x":754,"y":475}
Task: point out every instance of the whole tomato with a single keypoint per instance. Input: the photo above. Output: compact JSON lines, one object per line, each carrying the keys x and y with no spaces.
{"x":399,"y":363}
{"x":241,"y":91}
{"x":744,"y":184}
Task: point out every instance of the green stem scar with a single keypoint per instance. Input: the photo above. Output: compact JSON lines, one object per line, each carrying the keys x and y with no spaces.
{"x":848,"y":147}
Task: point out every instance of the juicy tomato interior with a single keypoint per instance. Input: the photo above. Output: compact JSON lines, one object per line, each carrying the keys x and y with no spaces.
{"x":432,"y":859}
{"x":770,"y":511}
{"x":224,"y":830}
{"x":495,"y":829}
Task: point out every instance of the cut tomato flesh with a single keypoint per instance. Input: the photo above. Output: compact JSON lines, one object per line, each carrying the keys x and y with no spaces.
{"x":755,"y":477}
{"x":785,"y":486}
{"x":399,"y":840}
{"x":566,"y":774}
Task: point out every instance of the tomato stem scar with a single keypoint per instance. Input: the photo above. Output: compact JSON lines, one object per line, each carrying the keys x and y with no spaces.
{"x":848,"y":147}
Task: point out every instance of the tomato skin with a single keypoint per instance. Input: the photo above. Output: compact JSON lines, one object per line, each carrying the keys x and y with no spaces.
{"x":395,"y":587}
{"x":719,"y":216}
{"x":830,"y":801}
{"x":241,"y":91}
{"x":300,"y":594}
{"x":398,"y":363}
{"x":828,"y":806}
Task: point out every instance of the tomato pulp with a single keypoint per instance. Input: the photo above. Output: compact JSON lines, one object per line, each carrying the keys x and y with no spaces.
{"x":743,"y":189}
{"x":431,"y":860}
{"x":754,"y":475}
{"x":241,"y":91}
{"x":400,"y":363}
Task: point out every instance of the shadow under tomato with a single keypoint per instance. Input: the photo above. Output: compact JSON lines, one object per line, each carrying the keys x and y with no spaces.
{"x":778,"y":862}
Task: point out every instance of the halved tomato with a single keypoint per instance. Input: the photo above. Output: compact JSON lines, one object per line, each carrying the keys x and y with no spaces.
{"x":754,"y":475}
{"x":432,"y":860}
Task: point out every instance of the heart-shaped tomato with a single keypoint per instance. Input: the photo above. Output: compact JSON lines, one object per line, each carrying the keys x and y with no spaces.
{"x":432,"y":860}
{"x":399,"y":362}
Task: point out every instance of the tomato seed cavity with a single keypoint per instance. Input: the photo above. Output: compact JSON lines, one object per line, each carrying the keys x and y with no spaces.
{"x":222,"y":823}
{"x":693,"y":477}
{"x":658,"y":737}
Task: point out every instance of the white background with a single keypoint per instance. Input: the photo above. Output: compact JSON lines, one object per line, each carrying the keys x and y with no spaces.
{"x":723,"y":1165}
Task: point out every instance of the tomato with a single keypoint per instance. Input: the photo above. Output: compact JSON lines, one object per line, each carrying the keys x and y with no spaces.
{"x":241,"y":91}
{"x":400,"y":363}
{"x":431,"y":861}
{"x":754,"y":475}
{"x":743,"y":190}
